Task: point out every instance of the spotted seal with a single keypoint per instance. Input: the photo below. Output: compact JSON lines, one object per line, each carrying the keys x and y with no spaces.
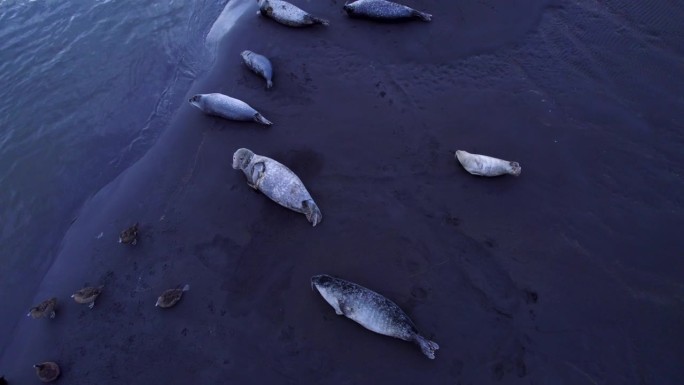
{"x":227,"y":107}
{"x":383,"y":10}
{"x":277,"y":182}
{"x":484,"y":165}
{"x":260,"y":65}
{"x":371,"y":310}
{"x":288,"y":14}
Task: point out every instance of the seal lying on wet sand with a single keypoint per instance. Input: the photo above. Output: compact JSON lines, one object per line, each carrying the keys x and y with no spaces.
{"x":383,"y":10}
{"x":260,"y":65}
{"x":227,"y":107}
{"x":371,"y":310}
{"x":277,"y":182}
{"x":486,"y":165}
{"x":287,"y":14}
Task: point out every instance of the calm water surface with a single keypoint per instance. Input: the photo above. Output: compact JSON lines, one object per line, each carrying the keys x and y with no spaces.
{"x":87,"y":86}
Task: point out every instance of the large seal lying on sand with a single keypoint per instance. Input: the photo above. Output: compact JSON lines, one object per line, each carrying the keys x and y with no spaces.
{"x":227,"y":107}
{"x":371,"y":310}
{"x":286,"y":13}
{"x":383,"y":10}
{"x":486,"y":165}
{"x":277,"y":182}
{"x":260,"y":65}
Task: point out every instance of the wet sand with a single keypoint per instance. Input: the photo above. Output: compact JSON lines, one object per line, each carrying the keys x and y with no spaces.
{"x":569,"y":274}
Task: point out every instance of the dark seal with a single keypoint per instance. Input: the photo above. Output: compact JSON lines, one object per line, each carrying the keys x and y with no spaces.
{"x":383,"y":10}
{"x":371,"y":310}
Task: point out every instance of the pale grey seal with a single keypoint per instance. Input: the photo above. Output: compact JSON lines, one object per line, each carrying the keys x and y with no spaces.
{"x":286,"y":13}
{"x":277,"y":182}
{"x":87,"y":295}
{"x":383,"y":10}
{"x":227,"y":107}
{"x":47,"y":371}
{"x":371,"y":310}
{"x":44,"y":309}
{"x":486,"y":165}
{"x":260,"y":65}
{"x":171,"y":297}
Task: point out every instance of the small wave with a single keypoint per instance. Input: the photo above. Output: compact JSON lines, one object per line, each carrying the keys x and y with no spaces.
{"x":225,"y":22}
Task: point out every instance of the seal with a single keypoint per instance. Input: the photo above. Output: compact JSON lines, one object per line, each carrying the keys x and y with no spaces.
{"x":171,"y":297}
{"x":87,"y":295}
{"x":383,"y":10}
{"x":47,"y":371}
{"x":44,"y":309}
{"x":287,"y":14}
{"x":226,"y":107}
{"x":277,"y":182}
{"x":260,"y":65}
{"x":484,"y":165}
{"x":371,"y":310}
{"x":129,"y":236}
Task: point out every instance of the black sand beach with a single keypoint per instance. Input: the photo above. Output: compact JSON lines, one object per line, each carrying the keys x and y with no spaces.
{"x":569,"y":274}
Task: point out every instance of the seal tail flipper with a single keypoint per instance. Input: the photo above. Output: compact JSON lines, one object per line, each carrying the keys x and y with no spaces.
{"x":515,"y":168}
{"x":428,"y":347}
{"x":313,"y":213}
{"x":318,"y":20}
{"x":423,"y":16}
{"x":269,"y":84}
{"x":186,"y":287}
{"x":260,"y":119}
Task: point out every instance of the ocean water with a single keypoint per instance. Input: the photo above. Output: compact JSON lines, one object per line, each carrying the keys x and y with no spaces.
{"x":569,"y":274}
{"x":87,"y":87}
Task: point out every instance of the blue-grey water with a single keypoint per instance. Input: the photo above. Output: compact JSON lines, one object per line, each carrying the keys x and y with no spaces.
{"x":87,"y":86}
{"x":569,"y":274}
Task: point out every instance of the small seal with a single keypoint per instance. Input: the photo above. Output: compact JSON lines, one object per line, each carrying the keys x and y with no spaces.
{"x":87,"y":295}
{"x":44,"y":309}
{"x":383,"y":10}
{"x":277,"y":182}
{"x":260,"y":65}
{"x":371,"y":310}
{"x":287,"y":14}
{"x":171,"y":297}
{"x":47,"y":371}
{"x":129,"y":236}
{"x":227,"y":107}
{"x":486,"y":165}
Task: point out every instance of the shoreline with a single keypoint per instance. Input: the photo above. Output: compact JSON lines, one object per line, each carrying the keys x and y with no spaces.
{"x":494,"y":270}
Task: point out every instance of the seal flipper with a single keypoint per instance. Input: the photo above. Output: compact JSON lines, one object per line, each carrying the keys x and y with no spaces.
{"x":428,"y":347}
{"x":316,"y":20}
{"x":422,"y":15}
{"x":257,"y":172}
{"x":312,"y":212}
{"x":343,"y":308}
{"x":260,"y":119}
